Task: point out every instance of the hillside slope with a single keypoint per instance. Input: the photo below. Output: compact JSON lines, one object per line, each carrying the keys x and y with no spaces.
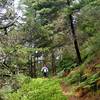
{"x":83,"y":82}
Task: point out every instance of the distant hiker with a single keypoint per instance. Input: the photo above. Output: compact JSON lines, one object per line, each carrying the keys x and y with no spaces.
{"x":44,"y":70}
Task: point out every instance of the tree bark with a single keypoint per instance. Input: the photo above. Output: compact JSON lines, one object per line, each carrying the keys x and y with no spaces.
{"x":32,"y":69}
{"x":8,"y":25}
{"x":75,"y":40}
{"x":74,"y":36}
{"x":53,"y":64}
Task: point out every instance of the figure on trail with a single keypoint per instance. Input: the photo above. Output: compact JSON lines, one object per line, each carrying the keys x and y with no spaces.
{"x":44,"y":70}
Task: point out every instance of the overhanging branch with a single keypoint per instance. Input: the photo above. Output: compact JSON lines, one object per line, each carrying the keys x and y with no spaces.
{"x":8,"y":25}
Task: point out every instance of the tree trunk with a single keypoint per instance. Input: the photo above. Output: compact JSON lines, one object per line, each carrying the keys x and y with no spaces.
{"x":75,"y":40}
{"x":53,"y":64}
{"x":32,"y":69}
{"x":74,"y":37}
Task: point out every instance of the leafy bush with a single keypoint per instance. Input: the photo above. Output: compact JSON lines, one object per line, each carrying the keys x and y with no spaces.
{"x":38,"y":89}
{"x":67,"y":62}
{"x":90,"y":81}
{"x":73,"y":77}
{"x":22,"y":79}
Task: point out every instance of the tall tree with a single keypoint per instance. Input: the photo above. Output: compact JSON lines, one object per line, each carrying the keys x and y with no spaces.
{"x":74,"y":35}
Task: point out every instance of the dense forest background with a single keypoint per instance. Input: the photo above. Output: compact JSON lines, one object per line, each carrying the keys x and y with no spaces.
{"x":64,"y":35}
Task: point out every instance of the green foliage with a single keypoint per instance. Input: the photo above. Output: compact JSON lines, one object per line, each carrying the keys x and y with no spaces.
{"x":90,"y":82}
{"x":60,"y":74}
{"x":88,"y":21}
{"x":77,"y":80}
{"x":67,"y":61}
{"x":47,"y":14}
{"x":73,"y":78}
{"x":87,"y":48}
{"x":90,"y":48}
{"x":97,"y":66}
{"x":38,"y":89}
{"x":97,"y":42}
{"x":22,"y":79}
{"x":46,"y":27}
{"x":12,"y":84}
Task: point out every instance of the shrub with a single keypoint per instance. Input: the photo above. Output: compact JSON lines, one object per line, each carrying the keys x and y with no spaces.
{"x":73,"y":77}
{"x":38,"y":89}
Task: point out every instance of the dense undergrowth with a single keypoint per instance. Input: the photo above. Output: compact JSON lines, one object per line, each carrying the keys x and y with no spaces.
{"x":36,"y":89}
{"x":85,"y":78}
